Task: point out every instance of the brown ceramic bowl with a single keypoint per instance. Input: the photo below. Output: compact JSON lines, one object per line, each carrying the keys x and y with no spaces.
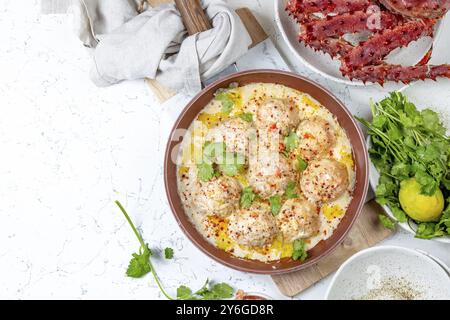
{"x":346,"y":121}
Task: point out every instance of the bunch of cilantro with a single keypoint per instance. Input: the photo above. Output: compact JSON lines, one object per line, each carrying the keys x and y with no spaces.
{"x":409,"y":143}
{"x":141,"y":264}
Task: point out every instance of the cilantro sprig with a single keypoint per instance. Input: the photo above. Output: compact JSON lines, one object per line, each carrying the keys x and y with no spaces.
{"x":291,"y":141}
{"x":299,"y":252}
{"x":141,"y":264}
{"x":216,"y":159}
{"x":215,"y":292}
{"x":226,"y":100}
{"x":275,"y":204}
{"x":168,"y":253}
{"x":246,"y":116}
{"x":290,"y":192}
{"x":247,"y":197}
{"x":387,"y":222}
{"x":300,"y":164}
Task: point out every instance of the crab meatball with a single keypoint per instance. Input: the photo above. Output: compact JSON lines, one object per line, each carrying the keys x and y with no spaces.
{"x":270,"y":175}
{"x":219,"y":196}
{"x":234,"y":133}
{"x":324,"y":180}
{"x":316,"y":137}
{"x":277,"y":114}
{"x":298,"y":219}
{"x":253,"y":227}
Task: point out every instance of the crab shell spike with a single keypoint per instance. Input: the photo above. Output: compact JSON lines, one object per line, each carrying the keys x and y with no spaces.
{"x":346,"y":23}
{"x":327,"y":6}
{"x":380,"y":45}
{"x":430,"y":9}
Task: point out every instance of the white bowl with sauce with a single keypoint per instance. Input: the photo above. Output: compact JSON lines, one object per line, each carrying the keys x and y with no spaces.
{"x":389,"y":273}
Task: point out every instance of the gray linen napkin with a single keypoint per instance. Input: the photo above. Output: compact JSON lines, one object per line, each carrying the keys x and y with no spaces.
{"x":131,"y":45}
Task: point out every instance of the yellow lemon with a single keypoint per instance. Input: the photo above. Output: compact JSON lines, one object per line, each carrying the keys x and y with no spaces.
{"x":421,"y":208}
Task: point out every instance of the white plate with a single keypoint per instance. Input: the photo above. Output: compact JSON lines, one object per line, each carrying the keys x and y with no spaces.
{"x":435,"y":96}
{"x":365,"y":273}
{"x":329,"y":68}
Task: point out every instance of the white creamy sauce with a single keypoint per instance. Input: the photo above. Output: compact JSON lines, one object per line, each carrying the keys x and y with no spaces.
{"x":248,"y":98}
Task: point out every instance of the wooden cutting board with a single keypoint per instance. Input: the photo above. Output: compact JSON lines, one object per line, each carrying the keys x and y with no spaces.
{"x":367,"y":230}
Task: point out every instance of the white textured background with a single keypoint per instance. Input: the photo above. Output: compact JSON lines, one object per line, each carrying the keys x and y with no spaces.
{"x":69,"y":149}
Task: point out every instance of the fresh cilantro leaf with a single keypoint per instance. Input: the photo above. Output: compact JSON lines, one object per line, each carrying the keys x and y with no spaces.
{"x":431,"y":122}
{"x":299,"y":252}
{"x":399,"y":214}
{"x":168,"y":253}
{"x":429,"y":230}
{"x":139,"y":265}
{"x":444,"y":223}
{"x":275,"y":204}
{"x":410,"y":142}
{"x":217,"y":292}
{"x":386,"y":187}
{"x":226,"y":101}
{"x":401,"y":170}
{"x":300,"y":164}
{"x":290,"y":191}
{"x":232,"y":164}
{"x":247,"y":197}
{"x":223,"y":291}
{"x":205,"y":171}
{"x":429,"y":153}
{"x":382,"y":201}
{"x":246,"y":116}
{"x":212,"y":151}
{"x":394,"y":132}
{"x":291,"y":141}
{"x":379,"y":121}
{"x":184,"y":293}
{"x":417,"y":166}
{"x":203,"y":289}
{"x":428,"y":185}
{"x":386,"y":221}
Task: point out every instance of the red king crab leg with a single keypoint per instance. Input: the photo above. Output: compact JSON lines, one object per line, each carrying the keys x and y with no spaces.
{"x":346,"y":23}
{"x":377,"y":47}
{"x":334,"y":47}
{"x":327,"y":6}
{"x":381,"y":73}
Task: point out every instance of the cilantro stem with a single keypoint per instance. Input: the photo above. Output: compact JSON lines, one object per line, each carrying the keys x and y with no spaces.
{"x":158,"y":282}
{"x":138,"y":236}
{"x":143,"y":245}
{"x":390,"y":144}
